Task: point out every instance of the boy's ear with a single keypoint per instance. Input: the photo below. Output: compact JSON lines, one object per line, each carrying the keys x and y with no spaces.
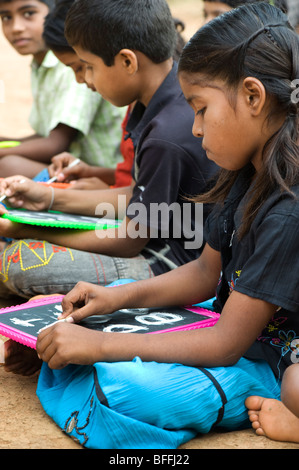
{"x":128,"y":60}
{"x":255,"y":94}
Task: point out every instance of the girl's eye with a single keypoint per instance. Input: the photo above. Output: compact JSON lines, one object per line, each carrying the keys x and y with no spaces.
{"x":28,"y":14}
{"x":201,"y":112}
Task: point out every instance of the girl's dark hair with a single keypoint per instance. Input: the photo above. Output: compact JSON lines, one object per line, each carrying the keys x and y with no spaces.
{"x":254,"y":41}
{"x":104,"y":27}
{"x":54,"y":27}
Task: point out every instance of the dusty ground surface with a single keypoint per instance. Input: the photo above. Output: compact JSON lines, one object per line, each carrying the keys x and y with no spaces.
{"x":23,"y":423}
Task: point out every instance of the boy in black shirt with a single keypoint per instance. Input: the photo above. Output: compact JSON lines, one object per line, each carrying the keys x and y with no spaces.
{"x":134,"y":65}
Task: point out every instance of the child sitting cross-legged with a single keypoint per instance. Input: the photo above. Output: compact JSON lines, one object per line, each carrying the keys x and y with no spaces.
{"x":115,"y":390}
{"x":157,"y":233}
{"x":65,"y":115}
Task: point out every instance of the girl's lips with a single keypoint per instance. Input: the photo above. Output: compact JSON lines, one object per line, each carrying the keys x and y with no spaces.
{"x":21,"y":42}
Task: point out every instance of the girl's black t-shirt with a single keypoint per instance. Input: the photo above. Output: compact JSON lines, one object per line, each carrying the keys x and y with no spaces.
{"x":264,"y":264}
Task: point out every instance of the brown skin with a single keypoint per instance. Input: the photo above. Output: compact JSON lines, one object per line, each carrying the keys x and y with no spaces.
{"x":81,"y":176}
{"x":35,"y":196}
{"x":217,"y":346}
{"x":132,"y":77}
{"x":278,"y":420}
{"x":22,"y":25}
{"x":226,"y":342}
{"x":213,"y":9}
{"x":271,"y":418}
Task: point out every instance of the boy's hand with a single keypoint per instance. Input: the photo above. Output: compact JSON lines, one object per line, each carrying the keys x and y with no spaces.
{"x":59,"y":168}
{"x":86,"y":299}
{"x":59,"y":163}
{"x":25,"y":193}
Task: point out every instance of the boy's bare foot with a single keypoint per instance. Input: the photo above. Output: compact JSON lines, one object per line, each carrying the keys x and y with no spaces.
{"x":272,"y":419}
{"x":20,"y":359}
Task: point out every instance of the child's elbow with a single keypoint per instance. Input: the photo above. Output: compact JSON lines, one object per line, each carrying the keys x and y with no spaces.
{"x":230,"y":360}
{"x":223,"y":357}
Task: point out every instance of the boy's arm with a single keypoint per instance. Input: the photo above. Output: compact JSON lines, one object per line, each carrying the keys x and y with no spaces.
{"x":42,"y":149}
{"x":93,"y":202}
{"x":25,"y":193}
{"x":112,"y":242}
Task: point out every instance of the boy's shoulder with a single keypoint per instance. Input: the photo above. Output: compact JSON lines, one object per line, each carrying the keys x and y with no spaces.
{"x":168,"y":116}
{"x":173,"y":122}
{"x":50,"y":61}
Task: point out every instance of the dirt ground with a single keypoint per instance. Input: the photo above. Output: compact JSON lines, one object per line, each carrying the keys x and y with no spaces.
{"x":23,"y":423}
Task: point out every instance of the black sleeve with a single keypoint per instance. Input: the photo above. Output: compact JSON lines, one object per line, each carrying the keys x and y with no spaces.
{"x":272,"y":272}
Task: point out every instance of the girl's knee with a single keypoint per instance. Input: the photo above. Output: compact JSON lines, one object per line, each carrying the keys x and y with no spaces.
{"x":290,"y":388}
{"x":291,"y":375}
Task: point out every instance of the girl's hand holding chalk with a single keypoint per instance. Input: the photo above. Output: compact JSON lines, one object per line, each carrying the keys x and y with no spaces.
{"x":64,"y":320}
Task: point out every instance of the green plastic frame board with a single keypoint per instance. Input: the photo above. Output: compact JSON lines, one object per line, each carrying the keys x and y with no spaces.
{"x":60,"y":220}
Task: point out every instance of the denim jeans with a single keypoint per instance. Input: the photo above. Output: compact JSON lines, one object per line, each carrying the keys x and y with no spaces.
{"x":36,"y":267}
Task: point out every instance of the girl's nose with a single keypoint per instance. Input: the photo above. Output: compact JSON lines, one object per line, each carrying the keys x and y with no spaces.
{"x":197,"y":130}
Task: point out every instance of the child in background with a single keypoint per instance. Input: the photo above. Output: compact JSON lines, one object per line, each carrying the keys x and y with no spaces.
{"x":170,"y":165}
{"x":99,"y":142}
{"x":86,"y":176}
{"x":63,"y":111}
{"x":158,"y":391}
{"x":214,"y":8}
{"x":293,"y":8}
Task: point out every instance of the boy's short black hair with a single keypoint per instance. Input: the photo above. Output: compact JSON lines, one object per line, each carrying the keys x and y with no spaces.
{"x":104,"y":27}
{"x":54,"y":27}
{"x":49,"y":3}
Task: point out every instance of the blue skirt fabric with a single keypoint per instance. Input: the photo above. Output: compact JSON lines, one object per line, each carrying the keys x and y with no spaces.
{"x":148,"y":405}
